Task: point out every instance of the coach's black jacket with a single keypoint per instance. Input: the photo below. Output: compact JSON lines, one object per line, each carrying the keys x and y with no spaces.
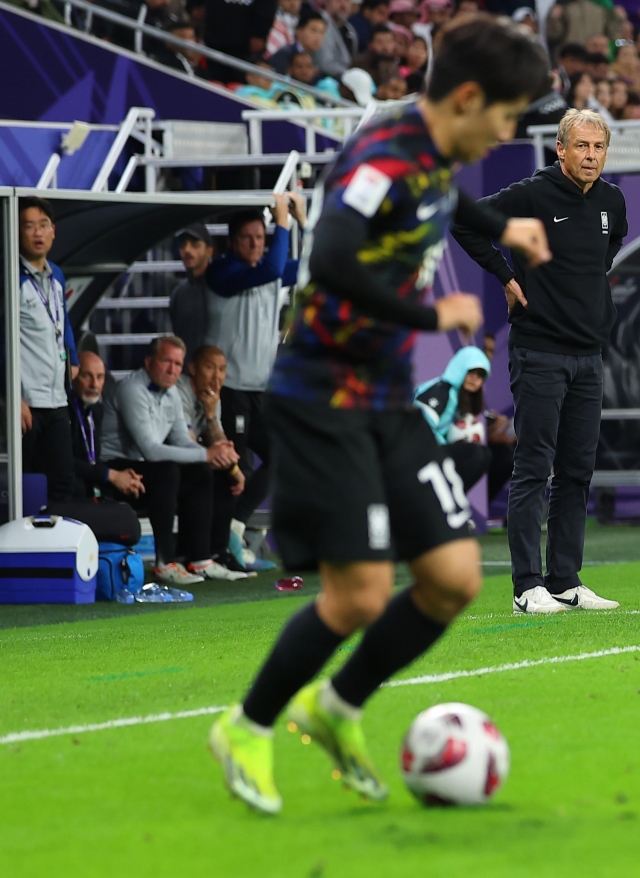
{"x":570,"y":308}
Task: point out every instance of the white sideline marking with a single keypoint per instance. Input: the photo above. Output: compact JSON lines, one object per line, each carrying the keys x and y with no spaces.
{"x":110,"y":724}
{"x":512,"y":666}
{"x":15,"y":737}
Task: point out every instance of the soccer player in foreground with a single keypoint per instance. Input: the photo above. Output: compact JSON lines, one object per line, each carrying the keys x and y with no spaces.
{"x":359,"y":478}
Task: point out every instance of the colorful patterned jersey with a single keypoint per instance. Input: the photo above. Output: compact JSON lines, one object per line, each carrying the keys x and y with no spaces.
{"x":392,"y":174}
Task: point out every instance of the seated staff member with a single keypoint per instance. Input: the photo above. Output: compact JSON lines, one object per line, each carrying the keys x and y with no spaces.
{"x":454,"y":397}
{"x":199,"y":390}
{"x":149,"y":435}
{"x":244,"y":322}
{"x":87,"y":412}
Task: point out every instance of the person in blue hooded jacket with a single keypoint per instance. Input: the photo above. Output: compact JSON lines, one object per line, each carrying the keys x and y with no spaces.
{"x":450,"y":405}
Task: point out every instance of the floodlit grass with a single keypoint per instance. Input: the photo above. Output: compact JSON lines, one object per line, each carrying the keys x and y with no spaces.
{"x":148,"y":801}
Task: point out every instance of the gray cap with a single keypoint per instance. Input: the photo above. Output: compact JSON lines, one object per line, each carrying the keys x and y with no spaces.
{"x":197,"y":231}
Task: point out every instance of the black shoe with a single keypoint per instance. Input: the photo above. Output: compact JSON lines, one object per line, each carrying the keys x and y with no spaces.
{"x":228,"y":560}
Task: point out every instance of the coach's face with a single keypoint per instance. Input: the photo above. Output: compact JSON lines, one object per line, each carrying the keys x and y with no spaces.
{"x":584,"y":155}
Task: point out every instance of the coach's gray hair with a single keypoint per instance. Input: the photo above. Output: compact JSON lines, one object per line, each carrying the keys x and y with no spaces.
{"x":173,"y":340}
{"x":581,"y":117}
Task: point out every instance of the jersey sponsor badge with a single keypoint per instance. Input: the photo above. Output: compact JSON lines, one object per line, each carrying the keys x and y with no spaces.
{"x":604,"y":216}
{"x":378,"y":526}
{"x":366,"y":190}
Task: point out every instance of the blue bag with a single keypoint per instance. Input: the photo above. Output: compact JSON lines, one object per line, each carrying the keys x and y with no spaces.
{"x":119,"y":567}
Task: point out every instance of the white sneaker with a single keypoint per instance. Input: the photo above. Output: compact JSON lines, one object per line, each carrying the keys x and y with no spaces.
{"x":213,"y":570}
{"x":583,"y":598}
{"x":537,"y":600}
{"x":175,"y":574}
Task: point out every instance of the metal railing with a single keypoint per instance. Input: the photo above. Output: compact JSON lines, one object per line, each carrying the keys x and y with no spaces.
{"x":140,"y":29}
{"x":307,"y":118}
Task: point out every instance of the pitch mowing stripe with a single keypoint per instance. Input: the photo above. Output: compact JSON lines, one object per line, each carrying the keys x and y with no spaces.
{"x":16,"y":737}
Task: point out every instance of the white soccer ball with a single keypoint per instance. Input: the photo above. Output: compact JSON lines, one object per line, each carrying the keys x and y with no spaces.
{"x":453,"y":754}
{"x":466,"y":429}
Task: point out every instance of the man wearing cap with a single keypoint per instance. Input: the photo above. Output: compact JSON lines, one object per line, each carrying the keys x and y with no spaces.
{"x":188,"y":304}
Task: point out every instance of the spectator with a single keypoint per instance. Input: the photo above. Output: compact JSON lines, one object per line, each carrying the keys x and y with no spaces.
{"x":603,"y":94}
{"x":370,"y":14}
{"x":151,"y":438}
{"x":283,"y":30}
{"x":402,"y":39}
{"x":581,"y":91}
{"x":86,"y":411}
{"x":200,"y":394}
{"x":188,"y":303}
{"x":238,"y":29}
{"x":526,"y":17}
{"x":197,"y":12}
{"x":547,"y":110}
{"x":260,"y":89}
{"x":244,"y":315}
{"x":501,"y":437}
{"x":46,"y":349}
{"x":598,"y":66}
{"x":187,"y":61}
{"x":438,"y":13}
{"x":451,"y":405}
{"x":379,"y":59}
{"x":392,"y":89}
{"x":466,"y":7}
{"x":626,"y":64}
{"x":416,"y":60}
{"x":340,"y":42}
{"x":619,"y":98}
{"x":403,"y":12}
{"x":572,"y":59}
{"x":152,"y":13}
{"x":310,"y":34}
{"x":578,"y":20}
{"x":599,"y":44}
{"x":301,"y":68}
{"x":631,"y":111}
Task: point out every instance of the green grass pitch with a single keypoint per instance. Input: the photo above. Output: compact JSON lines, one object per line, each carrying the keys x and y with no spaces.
{"x":147,"y":800}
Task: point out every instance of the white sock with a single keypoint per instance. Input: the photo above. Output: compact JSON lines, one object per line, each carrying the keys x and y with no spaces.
{"x":240,"y":719}
{"x":333,"y":703}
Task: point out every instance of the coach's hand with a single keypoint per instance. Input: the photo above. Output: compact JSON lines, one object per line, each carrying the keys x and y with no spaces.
{"x":513,"y":292}
{"x":459,"y":311}
{"x":127,"y":481}
{"x":222,"y":454}
{"x":26,"y":417}
{"x":528,"y":236}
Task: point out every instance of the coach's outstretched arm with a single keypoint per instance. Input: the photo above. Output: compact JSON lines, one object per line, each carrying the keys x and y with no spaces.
{"x":334,"y":262}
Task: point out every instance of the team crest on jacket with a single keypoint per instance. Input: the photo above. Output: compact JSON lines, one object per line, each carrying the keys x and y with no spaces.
{"x":604,"y":216}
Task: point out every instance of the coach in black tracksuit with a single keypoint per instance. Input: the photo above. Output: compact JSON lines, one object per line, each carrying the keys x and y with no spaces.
{"x":560,"y":313}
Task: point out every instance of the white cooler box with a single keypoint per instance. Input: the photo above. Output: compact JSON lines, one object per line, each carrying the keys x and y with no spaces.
{"x":47,"y":559}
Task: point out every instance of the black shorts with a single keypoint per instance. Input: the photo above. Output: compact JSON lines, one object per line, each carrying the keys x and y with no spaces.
{"x":354,"y":485}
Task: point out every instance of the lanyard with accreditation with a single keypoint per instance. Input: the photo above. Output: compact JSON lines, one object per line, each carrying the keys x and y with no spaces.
{"x":56,"y":321}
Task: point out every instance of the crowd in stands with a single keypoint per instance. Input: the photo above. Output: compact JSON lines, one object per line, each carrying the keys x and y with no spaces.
{"x":359,"y":49}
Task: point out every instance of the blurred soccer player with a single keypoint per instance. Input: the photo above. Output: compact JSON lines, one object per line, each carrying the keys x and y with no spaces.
{"x":360,"y":479}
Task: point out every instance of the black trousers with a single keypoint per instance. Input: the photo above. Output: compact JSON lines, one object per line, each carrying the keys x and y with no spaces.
{"x":223,"y":503}
{"x":47,"y":448}
{"x":500,"y":468}
{"x":172,"y":488}
{"x":558,"y":401}
{"x":471,"y":460}
{"x":243,"y":422}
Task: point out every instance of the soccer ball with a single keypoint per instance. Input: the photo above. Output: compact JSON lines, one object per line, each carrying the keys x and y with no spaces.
{"x":466,"y":429}
{"x":453,"y":754}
